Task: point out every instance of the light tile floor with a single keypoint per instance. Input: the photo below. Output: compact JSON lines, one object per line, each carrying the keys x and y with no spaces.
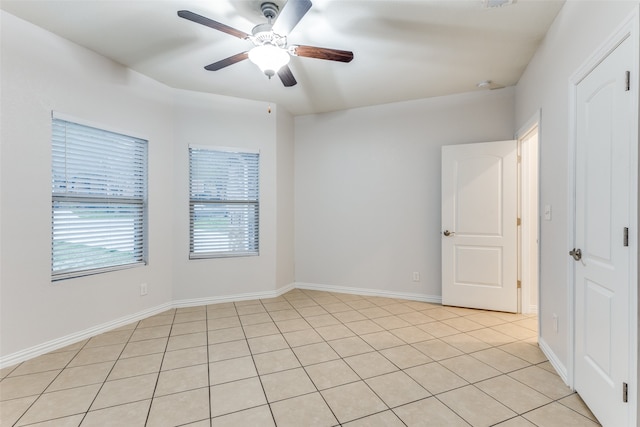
{"x":307,"y":358}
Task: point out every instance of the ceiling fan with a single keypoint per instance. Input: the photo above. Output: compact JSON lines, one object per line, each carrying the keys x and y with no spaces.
{"x":271,"y":52}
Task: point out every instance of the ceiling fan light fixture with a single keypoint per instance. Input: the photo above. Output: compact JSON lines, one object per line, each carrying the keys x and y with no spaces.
{"x":269,"y":58}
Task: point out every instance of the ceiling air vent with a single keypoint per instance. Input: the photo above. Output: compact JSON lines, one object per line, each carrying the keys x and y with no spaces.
{"x":490,"y":4}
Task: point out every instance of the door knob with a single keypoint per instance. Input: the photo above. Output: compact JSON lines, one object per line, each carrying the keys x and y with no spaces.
{"x":576,"y":254}
{"x":448,"y":233}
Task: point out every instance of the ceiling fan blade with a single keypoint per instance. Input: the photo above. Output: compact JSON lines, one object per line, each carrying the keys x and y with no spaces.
{"x":323,"y":53}
{"x":286,"y":76}
{"x":212,"y":24}
{"x":290,"y":15}
{"x":227,"y":61}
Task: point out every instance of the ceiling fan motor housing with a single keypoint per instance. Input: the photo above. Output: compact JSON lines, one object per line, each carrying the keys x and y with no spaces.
{"x":263,"y":33}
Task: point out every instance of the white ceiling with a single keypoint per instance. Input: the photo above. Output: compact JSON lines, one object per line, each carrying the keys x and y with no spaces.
{"x":403,"y":49}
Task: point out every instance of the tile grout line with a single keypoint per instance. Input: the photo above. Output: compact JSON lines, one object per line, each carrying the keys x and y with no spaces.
{"x":206,"y":337}
{"x":273,"y":416}
{"x":164,"y":353}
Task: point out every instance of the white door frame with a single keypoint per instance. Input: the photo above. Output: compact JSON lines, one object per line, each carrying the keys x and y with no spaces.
{"x":630,"y":28}
{"x":527,"y":247}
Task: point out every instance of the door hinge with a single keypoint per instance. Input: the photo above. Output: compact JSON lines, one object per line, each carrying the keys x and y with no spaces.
{"x":519,"y":221}
{"x":625,"y":237}
{"x":519,"y":158}
{"x":625,"y":392}
{"x":628,"y":82}
{"x":519,"y":283}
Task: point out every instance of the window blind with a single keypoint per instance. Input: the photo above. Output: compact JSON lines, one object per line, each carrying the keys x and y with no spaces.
{"x":224,"y":203}
{"x":99,"y":189}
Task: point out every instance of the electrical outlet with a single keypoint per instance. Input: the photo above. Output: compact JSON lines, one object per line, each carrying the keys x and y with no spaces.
{"x":416,"y":276}
{"x":555,"y":323}
{"x":143,"y":289}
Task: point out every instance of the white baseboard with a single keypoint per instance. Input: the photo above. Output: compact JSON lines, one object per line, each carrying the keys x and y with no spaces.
{"x":533,"y":309}
{"x":59,"y":343}
{"x":369,"y":292}
{"x":56,"y":344}
{"x":554,"y":360}
{"x":232,"y":298}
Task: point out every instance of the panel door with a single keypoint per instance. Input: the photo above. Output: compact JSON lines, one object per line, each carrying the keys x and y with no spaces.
{"x":479,"y":225}
{"x":602,"y":273}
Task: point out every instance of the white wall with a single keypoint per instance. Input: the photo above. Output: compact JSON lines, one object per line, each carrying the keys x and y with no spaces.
{"x":579,"y":29}
{"x":41,"y":73}
{"x":212,"y":120}
{"x":285,"y":138}
{"x":367,"y":186}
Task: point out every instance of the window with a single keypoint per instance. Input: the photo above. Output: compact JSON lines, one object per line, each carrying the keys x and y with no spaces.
{"x":99,"y":189}
{"x":223,"y":203}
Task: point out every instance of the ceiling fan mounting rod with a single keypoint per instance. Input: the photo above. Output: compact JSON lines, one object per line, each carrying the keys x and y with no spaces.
{"x":269,"y":10}
{"x":262,"y":34}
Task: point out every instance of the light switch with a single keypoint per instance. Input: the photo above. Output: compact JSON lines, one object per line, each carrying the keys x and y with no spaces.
{"x":547,"y":212}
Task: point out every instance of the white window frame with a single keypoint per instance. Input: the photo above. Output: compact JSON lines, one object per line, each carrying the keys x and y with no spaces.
{"x":98,"y":199}
{"x":224,"y":190}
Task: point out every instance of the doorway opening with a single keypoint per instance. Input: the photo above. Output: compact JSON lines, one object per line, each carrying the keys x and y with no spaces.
{"x":529,"y":214}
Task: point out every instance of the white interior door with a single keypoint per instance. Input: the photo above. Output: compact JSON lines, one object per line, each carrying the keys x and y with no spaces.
{"x":479,"y":225}
{"x":602,"y":212}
